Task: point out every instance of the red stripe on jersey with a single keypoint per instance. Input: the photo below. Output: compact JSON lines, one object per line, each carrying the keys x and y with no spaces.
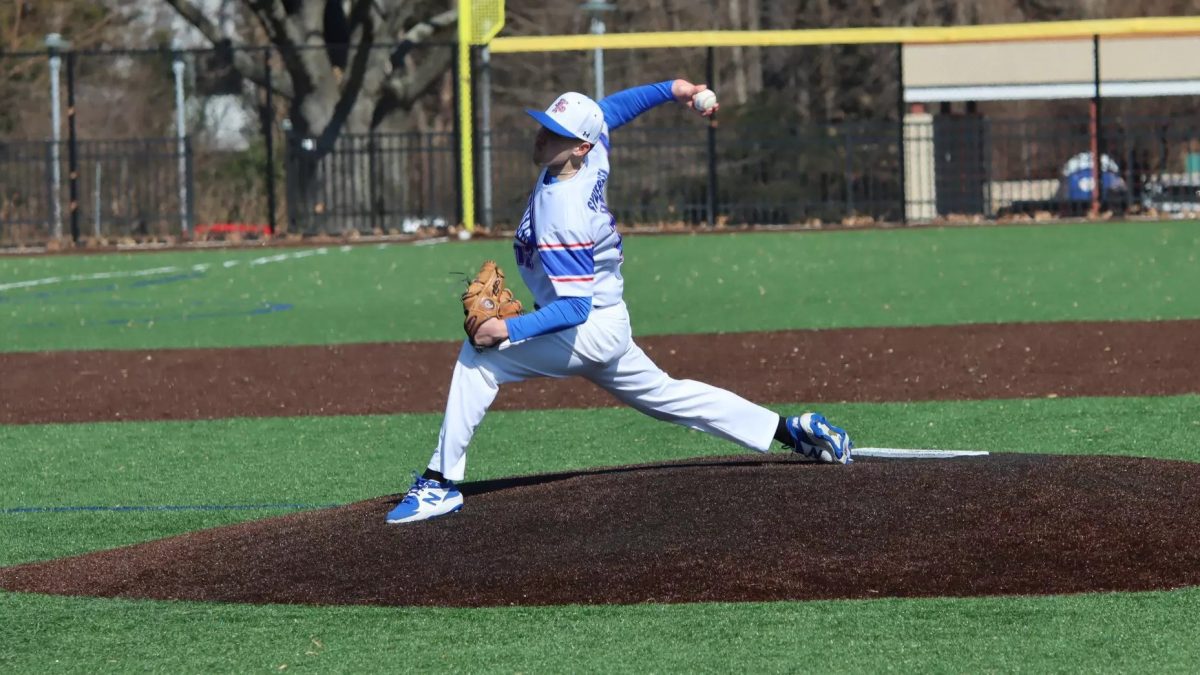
{"x":585,"y":244}
{"x":565,"y":279}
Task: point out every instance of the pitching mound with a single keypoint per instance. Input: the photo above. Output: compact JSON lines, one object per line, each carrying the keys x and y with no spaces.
{"x":733,"y":528}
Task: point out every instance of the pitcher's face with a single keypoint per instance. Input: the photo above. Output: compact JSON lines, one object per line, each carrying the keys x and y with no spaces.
{"x":550,"y":149}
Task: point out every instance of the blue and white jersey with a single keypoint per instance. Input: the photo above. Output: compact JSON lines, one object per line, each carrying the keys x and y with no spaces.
{"x":567,"y":244}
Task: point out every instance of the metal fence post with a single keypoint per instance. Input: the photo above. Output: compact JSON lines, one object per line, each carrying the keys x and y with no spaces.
{"x":1097,"y":175}
{"x":291,"y":198}
{"x":54,"y":43}
{"x":458,"y":149}
{"x":847,"y":170}
{"x":901,"y":111}
{"x":190,"y":171}
{"x":177,"y":67}
{"x":985,"y":158}
{"x":72,"y":149}
{"x":485,"y":132}
{"x":97,"y":203}
{"x":268,"y":123}
{"x":51,"y":193}
{"x":374,"y":191}
{"x":476,"y":132}
{"x":711,"y":203}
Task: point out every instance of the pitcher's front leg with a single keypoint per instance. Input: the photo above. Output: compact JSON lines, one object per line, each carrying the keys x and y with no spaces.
{"x":473,"y":388}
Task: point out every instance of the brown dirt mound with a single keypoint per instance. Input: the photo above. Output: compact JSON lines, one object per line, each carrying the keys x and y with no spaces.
{"x":717,"y":529}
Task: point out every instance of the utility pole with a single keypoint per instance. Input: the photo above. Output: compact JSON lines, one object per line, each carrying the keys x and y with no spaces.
{"x":596,"y":9}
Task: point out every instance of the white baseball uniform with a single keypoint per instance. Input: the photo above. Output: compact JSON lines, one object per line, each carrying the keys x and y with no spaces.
{"x":564,"y":222}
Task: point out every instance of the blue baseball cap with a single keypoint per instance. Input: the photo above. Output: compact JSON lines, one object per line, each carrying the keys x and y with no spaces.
{"x":572,"y":115}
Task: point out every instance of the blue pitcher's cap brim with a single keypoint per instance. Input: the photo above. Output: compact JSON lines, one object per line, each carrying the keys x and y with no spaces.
{"x":548,"y":122}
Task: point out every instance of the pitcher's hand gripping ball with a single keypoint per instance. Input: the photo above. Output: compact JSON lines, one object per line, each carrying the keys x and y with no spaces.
{"x":487,"y":298}
{"x":705,"y":100}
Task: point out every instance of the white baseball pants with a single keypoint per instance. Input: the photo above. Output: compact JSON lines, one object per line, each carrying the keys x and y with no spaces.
{"x":602,"y":350}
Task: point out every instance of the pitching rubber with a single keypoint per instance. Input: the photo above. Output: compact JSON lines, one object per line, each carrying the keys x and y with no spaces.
{"x":915,"y":453}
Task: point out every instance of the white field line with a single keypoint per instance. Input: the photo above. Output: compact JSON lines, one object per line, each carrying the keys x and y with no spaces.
{"x":88,"y":277}
{"x":265,"y":260}
{"x":431,"y":242}
{"x":915,"y":453}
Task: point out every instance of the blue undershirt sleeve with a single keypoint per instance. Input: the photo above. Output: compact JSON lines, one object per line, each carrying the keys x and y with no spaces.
{"x":623,"y":106}
{"x":558,"y":315}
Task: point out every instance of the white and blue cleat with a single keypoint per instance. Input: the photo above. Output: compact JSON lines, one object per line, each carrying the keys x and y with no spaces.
{"x":817,"y":439}
{"x":426,"y":499}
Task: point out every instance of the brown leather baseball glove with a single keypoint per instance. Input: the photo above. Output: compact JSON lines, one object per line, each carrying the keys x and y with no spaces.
{"x":487,"y":298}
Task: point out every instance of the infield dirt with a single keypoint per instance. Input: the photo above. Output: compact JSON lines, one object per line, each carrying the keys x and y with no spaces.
{"x":980,"y":361}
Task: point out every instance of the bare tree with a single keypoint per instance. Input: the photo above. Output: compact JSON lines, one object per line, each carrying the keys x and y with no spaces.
{"x":23,"y":28}
{"x":347,"y":65}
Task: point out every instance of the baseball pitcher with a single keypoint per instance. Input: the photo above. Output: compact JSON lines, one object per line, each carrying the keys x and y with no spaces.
{"x":568,"y":252}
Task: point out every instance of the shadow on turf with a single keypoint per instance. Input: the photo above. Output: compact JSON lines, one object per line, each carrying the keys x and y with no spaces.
{"x":482,"y":487}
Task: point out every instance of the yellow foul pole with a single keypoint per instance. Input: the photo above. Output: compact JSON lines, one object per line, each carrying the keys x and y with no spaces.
{"x":465,"y":128}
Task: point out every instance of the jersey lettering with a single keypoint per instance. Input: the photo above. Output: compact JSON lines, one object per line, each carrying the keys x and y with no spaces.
{"x":524,"y":241}
{"x":596,"y":201}
{"x":597,"y":204}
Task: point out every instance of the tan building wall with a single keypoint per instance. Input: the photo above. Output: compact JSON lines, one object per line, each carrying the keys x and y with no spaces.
{"x":1141,"y":59}
{"x":1051,"y":62}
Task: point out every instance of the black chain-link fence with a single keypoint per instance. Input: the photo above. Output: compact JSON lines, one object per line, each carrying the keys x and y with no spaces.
{"x":145,"y":144}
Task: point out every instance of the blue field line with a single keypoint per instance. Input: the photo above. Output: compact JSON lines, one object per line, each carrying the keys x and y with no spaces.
{"x":18,"y":510}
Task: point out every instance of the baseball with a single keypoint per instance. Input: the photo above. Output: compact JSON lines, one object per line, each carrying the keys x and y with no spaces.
{"x":705,"y":100}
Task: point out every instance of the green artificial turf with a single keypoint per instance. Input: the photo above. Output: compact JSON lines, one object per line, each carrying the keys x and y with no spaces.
{"x":340,"y":459}
{"x":674,"y":284}
{"x":1147,"y":632}
{"x":333,"y":460}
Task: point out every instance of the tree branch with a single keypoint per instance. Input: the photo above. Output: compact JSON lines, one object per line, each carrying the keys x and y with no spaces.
{"x":244,"y":62}
{"x":254,"y":70}
{"x":412,"y":85}
{"x":273,"y":19}
{"x":195,"y":16}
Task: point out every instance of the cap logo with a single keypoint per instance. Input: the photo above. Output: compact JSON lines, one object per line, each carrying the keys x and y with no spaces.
{"x":560,"y":105}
